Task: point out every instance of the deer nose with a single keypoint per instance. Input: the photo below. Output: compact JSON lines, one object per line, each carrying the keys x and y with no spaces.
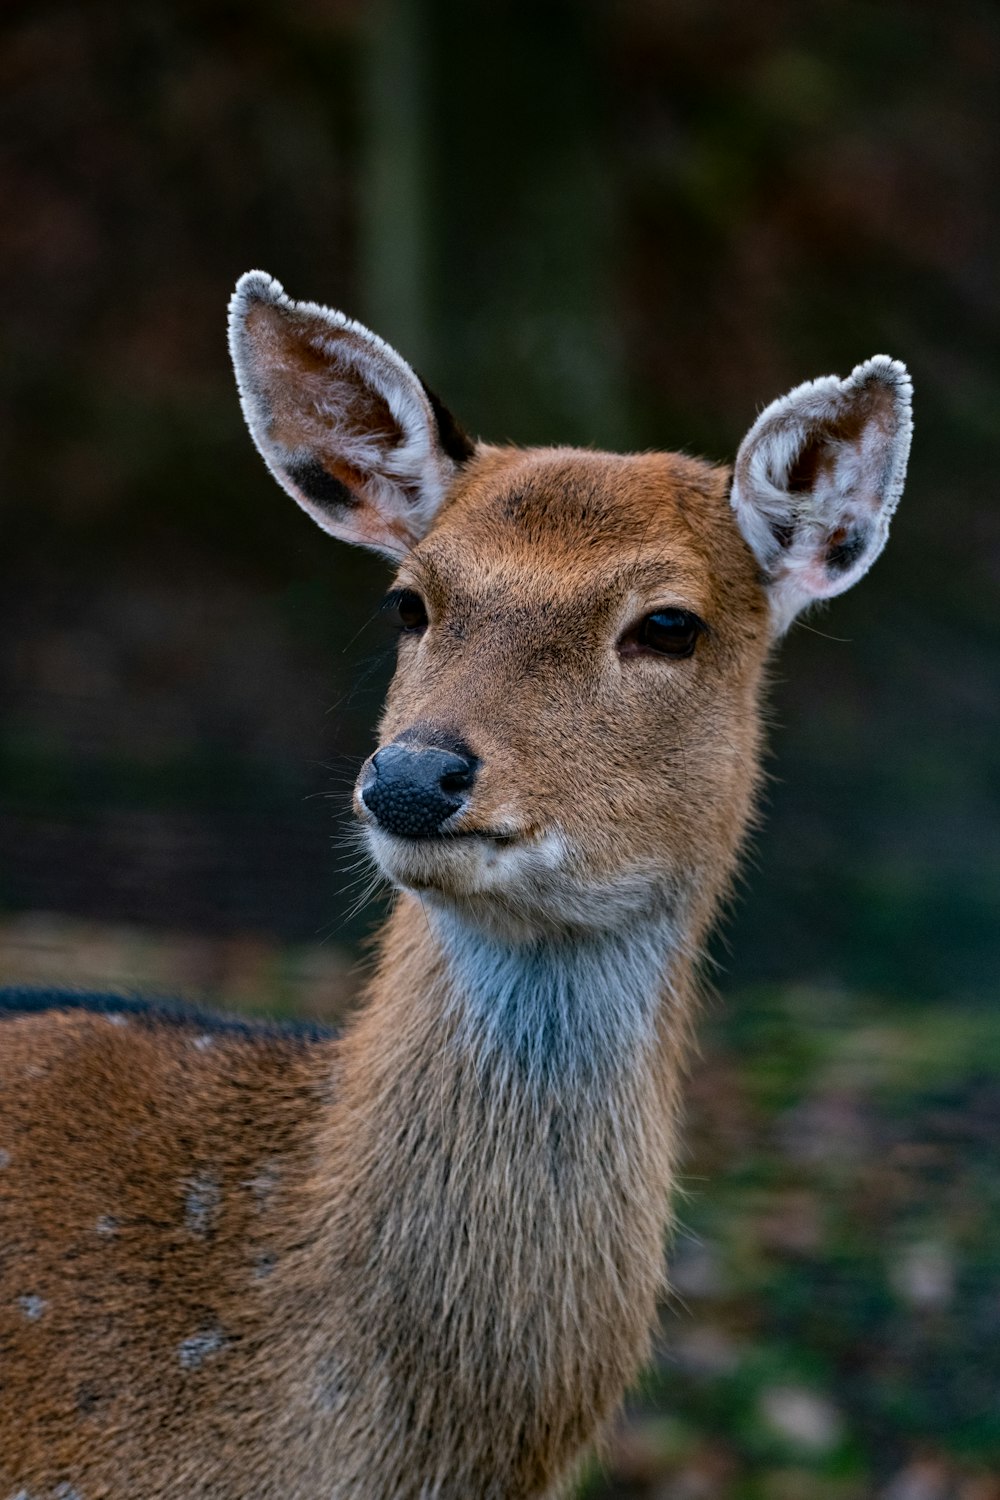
{"x":411,"y":790}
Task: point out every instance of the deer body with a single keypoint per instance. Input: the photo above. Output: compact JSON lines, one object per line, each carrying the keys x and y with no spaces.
{"x":267,"y":1296}
{"x":422,"y":1259}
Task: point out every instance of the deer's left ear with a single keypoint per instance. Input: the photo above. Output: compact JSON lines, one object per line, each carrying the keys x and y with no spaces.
{"x":340,"y":419}
{"x":817,"y":479}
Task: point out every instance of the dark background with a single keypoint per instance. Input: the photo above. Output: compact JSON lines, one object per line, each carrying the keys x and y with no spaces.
{"x":630,"y":225}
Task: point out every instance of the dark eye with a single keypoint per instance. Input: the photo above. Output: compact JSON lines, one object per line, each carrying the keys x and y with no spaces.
{"x":409,"y":609}
{"x":668,"y":632}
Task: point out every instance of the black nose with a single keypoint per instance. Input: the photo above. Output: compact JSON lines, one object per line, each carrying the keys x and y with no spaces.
{"x":411,"y":789}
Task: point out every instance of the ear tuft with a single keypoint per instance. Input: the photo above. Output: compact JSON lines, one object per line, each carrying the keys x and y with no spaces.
{"x":817,"y":479}
{"x":254,"y":286}
{"x":343,"y":423}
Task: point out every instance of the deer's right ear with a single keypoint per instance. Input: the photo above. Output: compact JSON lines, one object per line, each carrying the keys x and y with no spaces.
{"x":817,"y":479}
{"x":342,"y":422}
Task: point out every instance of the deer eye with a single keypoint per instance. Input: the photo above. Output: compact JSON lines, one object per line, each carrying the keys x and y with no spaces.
{"x":409,"y":610}
{"x":668,"y":632}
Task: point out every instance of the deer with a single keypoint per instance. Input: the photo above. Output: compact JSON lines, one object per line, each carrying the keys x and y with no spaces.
{"x":420,"y":1258}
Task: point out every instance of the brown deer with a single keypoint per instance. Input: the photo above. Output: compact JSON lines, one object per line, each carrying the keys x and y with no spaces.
{"x":420,"y":1261}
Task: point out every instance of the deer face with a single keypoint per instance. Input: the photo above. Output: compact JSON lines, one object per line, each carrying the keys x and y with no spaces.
{"x":570,"y":739}
{"x":571,"y":725}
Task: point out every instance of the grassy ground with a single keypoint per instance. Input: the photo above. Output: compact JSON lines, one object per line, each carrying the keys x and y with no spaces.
{"x":833,"y":1328}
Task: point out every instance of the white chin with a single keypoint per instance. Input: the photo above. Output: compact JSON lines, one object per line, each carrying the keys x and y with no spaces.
{"x":468,"y":866}
{"x":517,"y":889}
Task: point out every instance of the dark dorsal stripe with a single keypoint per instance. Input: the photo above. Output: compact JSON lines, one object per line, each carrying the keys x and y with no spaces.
{"x":157,"y":1012}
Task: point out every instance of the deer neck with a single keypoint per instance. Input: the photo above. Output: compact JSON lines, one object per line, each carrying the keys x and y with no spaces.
{"x":562,"y":1012}
{"x":503,"y":1124}
{"x":553,"y":1016}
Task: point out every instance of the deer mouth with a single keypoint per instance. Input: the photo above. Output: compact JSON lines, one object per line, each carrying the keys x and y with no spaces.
{"x":500,"y":836}
{"x":456,"y":861}
{"x":516,"y":885}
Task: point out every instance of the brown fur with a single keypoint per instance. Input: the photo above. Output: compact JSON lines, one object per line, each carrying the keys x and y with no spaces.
{"x":421,"y":1261}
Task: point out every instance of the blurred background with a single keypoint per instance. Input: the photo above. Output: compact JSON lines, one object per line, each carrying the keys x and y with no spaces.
{"x":630,"y":225}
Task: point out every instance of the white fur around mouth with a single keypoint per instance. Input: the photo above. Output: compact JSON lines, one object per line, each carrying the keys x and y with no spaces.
{"x":463,"y":856}
{"x":518,"y":889}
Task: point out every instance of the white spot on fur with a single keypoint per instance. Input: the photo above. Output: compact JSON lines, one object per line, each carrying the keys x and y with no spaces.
{"x":4,"y":1159}
{"x":203,"y":1042}
{"x":263,"y":1184}
{"x":201,"y":1203}
{"x":107,"y":1225}
{"x":66,"y":1492}
{"x":194,"y":1350}
{"x":115,"y":1018}
{"x":33,"y":1307}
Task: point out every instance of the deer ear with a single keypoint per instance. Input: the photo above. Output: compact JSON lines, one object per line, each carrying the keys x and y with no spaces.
{"x":817,"y":479}
{"x":342,"y":422}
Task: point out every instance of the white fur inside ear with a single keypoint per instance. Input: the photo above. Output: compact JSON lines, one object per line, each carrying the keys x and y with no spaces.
{"x":817,"y":479}
{"x":341,"y":420}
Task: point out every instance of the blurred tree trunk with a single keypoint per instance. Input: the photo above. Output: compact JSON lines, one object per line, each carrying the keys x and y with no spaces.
{"x":526,"y":222}
{"x":509,"y":244}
